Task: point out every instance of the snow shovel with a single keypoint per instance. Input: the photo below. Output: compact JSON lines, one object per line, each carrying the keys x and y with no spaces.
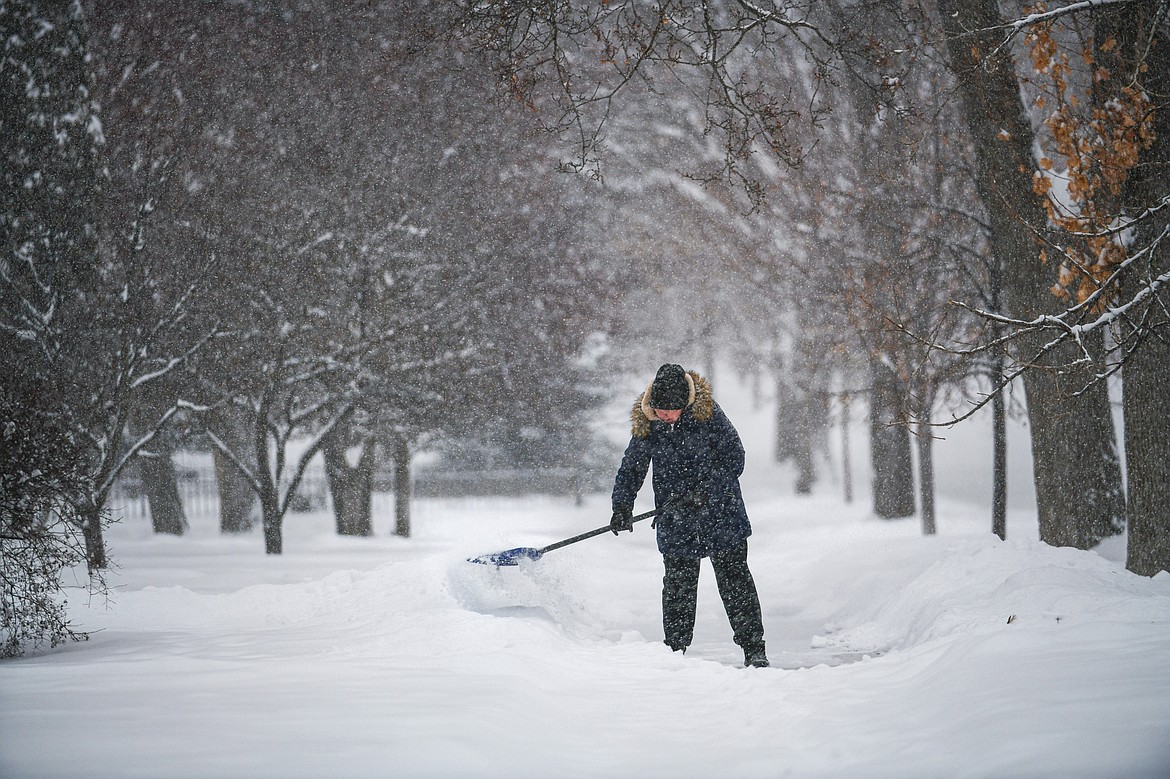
{"x":514,"y":556}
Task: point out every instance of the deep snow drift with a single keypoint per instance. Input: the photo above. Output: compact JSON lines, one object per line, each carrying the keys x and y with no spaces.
{"x":894,"y":655}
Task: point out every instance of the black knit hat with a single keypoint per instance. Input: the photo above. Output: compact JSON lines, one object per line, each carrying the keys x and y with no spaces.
{"x":670,"y":389}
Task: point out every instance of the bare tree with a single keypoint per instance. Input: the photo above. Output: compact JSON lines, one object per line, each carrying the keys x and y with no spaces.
{"x":1128,"y":280}
{"x":81,"y":305}
{"x":43,"y":483}
{"x":552,"y":56}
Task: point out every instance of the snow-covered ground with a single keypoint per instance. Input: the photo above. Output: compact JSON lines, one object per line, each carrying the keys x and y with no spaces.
{"x":893,"y":655}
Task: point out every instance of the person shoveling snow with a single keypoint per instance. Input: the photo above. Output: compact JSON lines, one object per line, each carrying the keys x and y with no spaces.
{"x":699,"y":509}
{"x":698,"y":459}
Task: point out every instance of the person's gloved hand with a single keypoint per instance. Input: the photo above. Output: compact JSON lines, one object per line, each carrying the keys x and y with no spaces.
{"x":695,"y":499}
{"x":623,"y":519}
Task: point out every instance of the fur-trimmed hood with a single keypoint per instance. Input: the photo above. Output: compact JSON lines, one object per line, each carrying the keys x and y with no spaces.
{"x":701,"y":456}
{"x":701,"y":405}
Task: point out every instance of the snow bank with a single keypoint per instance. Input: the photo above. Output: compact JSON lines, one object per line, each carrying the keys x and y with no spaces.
{"x":984,"y":587}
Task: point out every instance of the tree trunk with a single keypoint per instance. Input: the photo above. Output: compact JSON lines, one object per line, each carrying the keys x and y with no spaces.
{"x":161,"y":484}
{"x":999,"y":474}
{"x":1146,"y":403}
{"x":998,"y":456}
{"x":271,"y":516}
{"x":925,"y":441}
{"x":889,"y":437}
{"x":272,"y":522}
{"x":1076,"y":469}
{"x":1079,"y":493}
{"x":786,"y":435}
{"x":237,"y":499}
{"x":846,"y":460}
{"x":352,"y":486}
{"x":1146,"y":373}
{"x":802,"y":414}
{"x":91,"y":531}
{"x":808,"y":421}
{"x":402,"y":487}
{"x":156,"y":467}
{"x":709,"y":353}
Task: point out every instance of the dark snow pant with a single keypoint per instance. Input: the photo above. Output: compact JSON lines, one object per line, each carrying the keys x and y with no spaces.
{"x":680,"y":592}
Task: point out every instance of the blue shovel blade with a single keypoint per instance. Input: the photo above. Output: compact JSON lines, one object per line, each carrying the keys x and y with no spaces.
{"x":508,"y":557}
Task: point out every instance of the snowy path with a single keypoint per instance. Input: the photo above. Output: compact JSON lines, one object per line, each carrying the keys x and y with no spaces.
{"x":382,"y":657}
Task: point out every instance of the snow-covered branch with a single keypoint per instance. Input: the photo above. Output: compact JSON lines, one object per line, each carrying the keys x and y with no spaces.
{"x":1068,"y":322}
{"x":248,"y":474}
{"x":1126,"y":224}
{"x":1041,"y":17}
{"x":309,"y":453}
{"x":111,"y":475}
{"x":172,"y":363}
{"x":1013,"y":28}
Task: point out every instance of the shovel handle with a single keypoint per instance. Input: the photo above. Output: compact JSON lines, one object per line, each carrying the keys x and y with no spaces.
{"x":595,"y":532}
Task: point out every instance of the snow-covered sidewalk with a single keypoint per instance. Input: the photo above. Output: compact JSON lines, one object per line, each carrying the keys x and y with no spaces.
{"x":893,"y":655}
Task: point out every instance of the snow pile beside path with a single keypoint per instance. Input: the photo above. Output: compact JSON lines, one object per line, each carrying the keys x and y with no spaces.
{"x":531,"y":588}
{"x":339,"y":596}
{"x":982,"y":587}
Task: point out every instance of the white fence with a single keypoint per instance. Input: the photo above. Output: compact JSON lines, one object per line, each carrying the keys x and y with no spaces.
{"x":199,"y":492}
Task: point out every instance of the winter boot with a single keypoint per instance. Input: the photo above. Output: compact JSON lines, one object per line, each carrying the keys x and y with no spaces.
{"x":754,"y":657}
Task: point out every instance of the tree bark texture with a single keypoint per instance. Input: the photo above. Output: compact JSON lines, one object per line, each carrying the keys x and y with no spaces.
{"x":401,"y":451}
{"x":237,"y":499}
{"x":156,"y":467}
{"x":95,"y":545}
{"x":889,"y":446}
{"x":925,"y":442}
{"x":352,"y":486}
{"x":808,"y":423}
{"x":846,"y":458}
{"x":802,"y":418}
{"x":161,"y":483}
{"x":786,"y":435}
{"x":1146,"y":403}
{"x":271,"y":517}
{"x":999,"y":457}
{"x":1079,"y":492}
{"x":1077,"y":472}
{"x":272,"y":521}
{"x":1146,"y":372}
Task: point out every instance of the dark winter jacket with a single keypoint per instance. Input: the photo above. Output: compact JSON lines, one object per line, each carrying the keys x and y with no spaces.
{"x":701,"y":452}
